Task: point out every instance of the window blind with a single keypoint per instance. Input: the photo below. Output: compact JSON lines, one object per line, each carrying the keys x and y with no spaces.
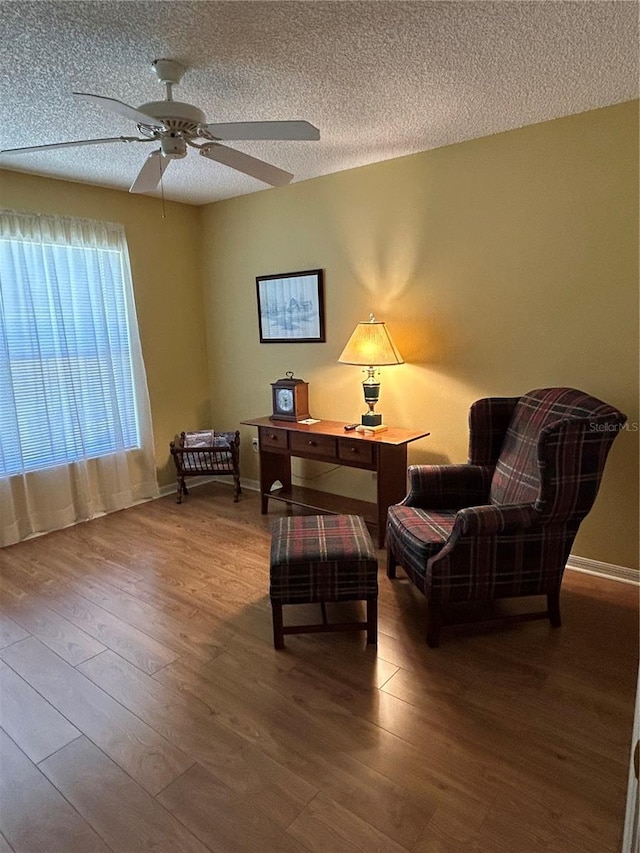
{"x":66,"y":377}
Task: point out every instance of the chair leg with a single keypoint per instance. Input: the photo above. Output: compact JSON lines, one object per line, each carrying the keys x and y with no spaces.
{"x":434,"y":623}
{"x":553,"y":606}
{"x":278,"y":635}
{"x":391,"y":562}
{"x":179,"y":490}
{"x":372,"y":621}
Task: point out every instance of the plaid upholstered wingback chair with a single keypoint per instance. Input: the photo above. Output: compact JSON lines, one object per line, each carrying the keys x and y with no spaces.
{"x":503,"y":524}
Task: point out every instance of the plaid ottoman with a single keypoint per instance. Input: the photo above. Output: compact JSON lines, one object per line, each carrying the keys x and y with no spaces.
{"x":319,"y":558}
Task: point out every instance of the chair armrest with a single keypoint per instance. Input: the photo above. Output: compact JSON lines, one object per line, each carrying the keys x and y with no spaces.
{"x":490,"y":520}
{"x":447,"y":486}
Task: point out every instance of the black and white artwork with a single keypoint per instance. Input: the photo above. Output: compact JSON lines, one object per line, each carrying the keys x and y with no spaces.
{"x":291,"y":307}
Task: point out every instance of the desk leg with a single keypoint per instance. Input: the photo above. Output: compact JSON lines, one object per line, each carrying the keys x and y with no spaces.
{"x":392,"y":482}
{"x":273,"y":466}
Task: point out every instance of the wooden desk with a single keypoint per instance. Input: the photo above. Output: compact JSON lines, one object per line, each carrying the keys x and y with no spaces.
{"x":384,"y":452}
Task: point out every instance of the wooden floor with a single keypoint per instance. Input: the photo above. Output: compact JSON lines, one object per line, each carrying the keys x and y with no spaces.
{"x":143,"y":706}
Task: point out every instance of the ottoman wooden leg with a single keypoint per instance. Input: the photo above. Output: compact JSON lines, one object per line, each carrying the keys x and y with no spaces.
{"x":372,"y":621}
{"x":278,"y":634}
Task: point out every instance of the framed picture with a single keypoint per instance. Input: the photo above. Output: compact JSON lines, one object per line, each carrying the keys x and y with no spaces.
{"x":291,"y":307}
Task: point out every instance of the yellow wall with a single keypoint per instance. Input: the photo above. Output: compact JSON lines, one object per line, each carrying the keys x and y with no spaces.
{"x":500,"y":265}
{"x":165,"y":256}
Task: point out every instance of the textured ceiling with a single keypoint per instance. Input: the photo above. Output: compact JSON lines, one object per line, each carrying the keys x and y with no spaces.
{"x":380,"y":79}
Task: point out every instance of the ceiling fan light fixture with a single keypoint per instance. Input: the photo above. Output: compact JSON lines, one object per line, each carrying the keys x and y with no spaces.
{"x":173,"y":145}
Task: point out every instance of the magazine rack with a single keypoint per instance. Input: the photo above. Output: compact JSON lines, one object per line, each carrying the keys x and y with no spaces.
{"x":204,"y":453}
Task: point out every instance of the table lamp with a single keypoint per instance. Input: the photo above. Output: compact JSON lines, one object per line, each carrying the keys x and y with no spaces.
{"x":372,"y":347}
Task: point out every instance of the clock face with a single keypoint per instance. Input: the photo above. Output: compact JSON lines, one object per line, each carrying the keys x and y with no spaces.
{"x":284,"y":400}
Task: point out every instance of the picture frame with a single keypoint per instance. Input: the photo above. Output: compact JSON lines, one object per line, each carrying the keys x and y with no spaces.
{"x":291,"y":307}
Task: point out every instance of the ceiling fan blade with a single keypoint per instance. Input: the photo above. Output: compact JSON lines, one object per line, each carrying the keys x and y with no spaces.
{"x":151,"y":173}
{"x":79,"y":142}
{"x":264,"y":130}
{"x":115,"y":106}
{"x":249,"y":165}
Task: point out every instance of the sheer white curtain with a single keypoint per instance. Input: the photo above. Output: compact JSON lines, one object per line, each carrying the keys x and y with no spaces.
{"x":75,"y":422}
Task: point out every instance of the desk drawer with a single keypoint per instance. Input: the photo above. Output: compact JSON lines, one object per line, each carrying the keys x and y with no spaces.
{"x":308,"y":444}
{"x":352,"y":450}
{"x":272,"y":437}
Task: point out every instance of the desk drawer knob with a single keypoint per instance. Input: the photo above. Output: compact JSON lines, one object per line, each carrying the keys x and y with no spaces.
{"x":311,"y":443}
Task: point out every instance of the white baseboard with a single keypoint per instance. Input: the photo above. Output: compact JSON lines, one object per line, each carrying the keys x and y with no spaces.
{"x":252,"y":485}
{"x":605,"y":570}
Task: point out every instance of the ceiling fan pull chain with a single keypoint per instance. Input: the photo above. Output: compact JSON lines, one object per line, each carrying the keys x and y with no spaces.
{"x":162,"y":190}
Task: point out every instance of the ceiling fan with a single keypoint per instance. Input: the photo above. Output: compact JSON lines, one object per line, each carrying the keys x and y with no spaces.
{"x":176,"y":127}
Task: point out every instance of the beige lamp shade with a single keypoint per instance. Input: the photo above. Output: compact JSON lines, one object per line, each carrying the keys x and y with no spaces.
{"x":371,"y":345}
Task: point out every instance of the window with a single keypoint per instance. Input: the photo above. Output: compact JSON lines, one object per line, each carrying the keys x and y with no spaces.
{"x":67,"y":389}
